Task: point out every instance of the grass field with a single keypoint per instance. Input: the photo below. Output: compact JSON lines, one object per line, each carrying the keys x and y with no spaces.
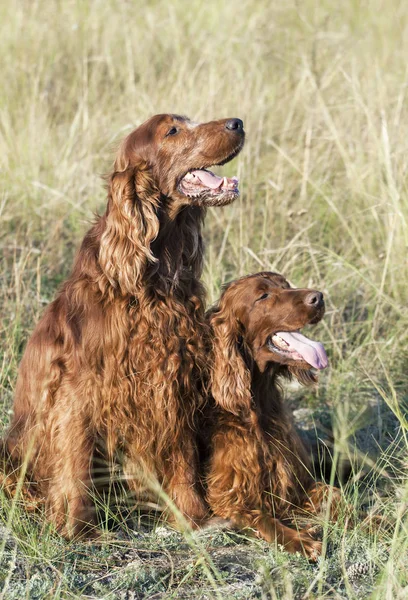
{"x":322,"y":88}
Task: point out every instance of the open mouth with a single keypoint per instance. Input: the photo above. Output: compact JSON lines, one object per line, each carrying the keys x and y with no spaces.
{"x":296,"y":346}
{"x":202,"y":181}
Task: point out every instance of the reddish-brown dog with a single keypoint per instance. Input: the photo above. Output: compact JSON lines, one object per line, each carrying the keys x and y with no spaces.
{"x":118,"y":358}
{"x":259,"y":473}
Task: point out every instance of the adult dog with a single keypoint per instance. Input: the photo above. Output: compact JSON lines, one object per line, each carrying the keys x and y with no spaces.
{"x":259,"y":473}
{"x":118,"y":358}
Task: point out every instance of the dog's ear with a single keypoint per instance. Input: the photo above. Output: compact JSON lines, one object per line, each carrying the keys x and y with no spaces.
{"x":230,"y":376}
{"x":131,"y":226}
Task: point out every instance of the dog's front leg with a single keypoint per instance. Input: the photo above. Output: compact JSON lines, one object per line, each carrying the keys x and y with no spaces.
{"x":69,"y":505}
{"x":182,"y":487}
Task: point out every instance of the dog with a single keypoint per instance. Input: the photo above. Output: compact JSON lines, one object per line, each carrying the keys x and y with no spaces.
{"x":258,"y":472}
{"x":118,"y":358}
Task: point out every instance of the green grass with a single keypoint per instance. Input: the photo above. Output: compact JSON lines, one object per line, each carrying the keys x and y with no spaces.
{"x":322,"y":89}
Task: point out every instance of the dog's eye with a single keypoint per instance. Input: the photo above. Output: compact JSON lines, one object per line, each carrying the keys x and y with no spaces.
{"x":263,"y":296}
{"x":172,"y":131}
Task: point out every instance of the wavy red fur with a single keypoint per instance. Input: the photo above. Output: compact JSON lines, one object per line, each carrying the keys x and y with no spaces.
{"x":258,"y":472}
{"x":118,"y":358}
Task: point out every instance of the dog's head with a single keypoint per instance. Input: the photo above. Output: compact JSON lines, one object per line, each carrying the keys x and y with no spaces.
{"x":261,"y":315}
{"x":179,"y":154}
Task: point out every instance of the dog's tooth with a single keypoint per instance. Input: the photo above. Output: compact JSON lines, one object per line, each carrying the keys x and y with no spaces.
{"x":280,"y":342}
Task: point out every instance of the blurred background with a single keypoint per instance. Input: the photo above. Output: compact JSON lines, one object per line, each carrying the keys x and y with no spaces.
{"x":322,"y":89}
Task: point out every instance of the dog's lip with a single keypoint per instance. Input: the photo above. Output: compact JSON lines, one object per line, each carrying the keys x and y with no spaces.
{"x":298,"y":347}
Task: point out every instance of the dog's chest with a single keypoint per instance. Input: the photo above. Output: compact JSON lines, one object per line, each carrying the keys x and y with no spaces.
{"x":166,"y":343}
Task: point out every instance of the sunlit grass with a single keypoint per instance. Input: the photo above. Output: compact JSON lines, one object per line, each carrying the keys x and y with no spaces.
{"x":322,"y":89}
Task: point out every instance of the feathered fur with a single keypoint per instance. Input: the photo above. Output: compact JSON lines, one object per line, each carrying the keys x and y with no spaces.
{"x":118,"y":358}
{"x":258,"y":471}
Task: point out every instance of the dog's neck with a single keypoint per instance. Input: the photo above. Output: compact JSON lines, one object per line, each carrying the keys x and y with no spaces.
{"x":265,"y":389}
{"x":179,"y":252}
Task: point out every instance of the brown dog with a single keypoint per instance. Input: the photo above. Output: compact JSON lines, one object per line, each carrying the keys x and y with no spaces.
{"x":259,"y":473}
{"x":118,"y":358}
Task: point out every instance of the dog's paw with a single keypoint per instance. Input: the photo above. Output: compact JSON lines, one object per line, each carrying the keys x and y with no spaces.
{"x":306,"y":545}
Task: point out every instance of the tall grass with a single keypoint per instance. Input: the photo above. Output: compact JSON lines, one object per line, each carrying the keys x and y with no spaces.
{"x":322,"y":89}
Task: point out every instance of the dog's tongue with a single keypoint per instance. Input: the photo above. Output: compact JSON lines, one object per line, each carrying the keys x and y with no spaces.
{"x":313,"y":352}
{"x":209,"y":179}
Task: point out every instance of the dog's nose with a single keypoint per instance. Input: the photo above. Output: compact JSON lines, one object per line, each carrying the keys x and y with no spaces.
{"x":315,"y":299}
{"x":234,"y":125}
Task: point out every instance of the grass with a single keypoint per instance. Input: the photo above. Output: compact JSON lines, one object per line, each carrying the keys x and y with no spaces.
{"x":322,"y":89}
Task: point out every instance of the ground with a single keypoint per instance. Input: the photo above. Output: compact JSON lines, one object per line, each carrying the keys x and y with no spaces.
{"x":322,"y":90}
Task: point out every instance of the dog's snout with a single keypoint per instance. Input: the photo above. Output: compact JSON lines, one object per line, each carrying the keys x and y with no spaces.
{"x":315,"y":299}
{"x":235,"y":125}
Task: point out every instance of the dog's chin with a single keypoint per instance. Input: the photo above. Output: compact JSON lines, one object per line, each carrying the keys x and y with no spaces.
{"x":305,"y":375}
{"x":220,"y":199}
{"x":285,"y":367}
{"x":268,"y":361}
{"x":292,"y":365}
{"x":203,"y":200}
